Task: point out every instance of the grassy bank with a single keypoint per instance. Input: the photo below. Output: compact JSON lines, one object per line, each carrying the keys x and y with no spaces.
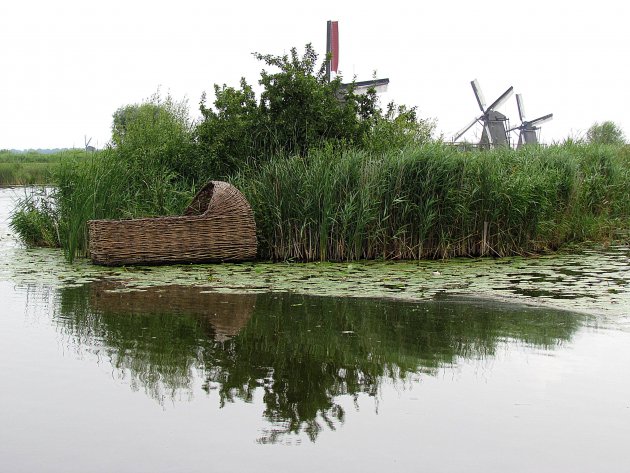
{"x":429,"y":201}
{"x":436,"y":202}
{"x":31,"y":167}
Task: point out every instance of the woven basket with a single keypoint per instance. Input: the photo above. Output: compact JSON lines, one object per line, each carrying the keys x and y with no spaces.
{"x":217,"y":226}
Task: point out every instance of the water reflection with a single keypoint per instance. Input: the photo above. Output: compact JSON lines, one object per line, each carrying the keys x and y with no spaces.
{"x":300,"y":353}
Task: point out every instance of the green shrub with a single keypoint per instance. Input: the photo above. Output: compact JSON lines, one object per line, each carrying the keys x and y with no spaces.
{"x":606,"y":133}
{"x":298,"y":110}
{"x":35,"y":219}
{"x":156,"y":135}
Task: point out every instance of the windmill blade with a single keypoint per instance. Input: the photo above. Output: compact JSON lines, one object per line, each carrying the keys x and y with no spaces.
{"x":521,"y":109}
{"x":514,"y":128}
{"x":540,"y":120}
{"x":486,"y":128}
{"x":464,"y":130}
{"x":479,"y":95}
{"x":506,"y":95}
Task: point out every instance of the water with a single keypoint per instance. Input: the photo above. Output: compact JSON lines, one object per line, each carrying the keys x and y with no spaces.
{"x":102,"y":371}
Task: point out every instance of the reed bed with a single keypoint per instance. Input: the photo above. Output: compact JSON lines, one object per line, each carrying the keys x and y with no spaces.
{"x":106,"y":187}
{"x":434,"y":201}
{"x":340,"y":204}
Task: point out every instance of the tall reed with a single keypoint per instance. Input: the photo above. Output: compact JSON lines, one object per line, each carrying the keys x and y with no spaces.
{"x":336,"y":203}
{"x":108,"y":187}
{"x":434,"y":201}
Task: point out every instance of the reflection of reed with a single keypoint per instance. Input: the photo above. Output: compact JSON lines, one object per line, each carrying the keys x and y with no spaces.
{"x":227,"y":314}
{"x":301,"y":353}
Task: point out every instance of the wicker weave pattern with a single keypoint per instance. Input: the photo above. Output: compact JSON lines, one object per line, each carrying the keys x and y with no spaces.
{"x":225,"y":231}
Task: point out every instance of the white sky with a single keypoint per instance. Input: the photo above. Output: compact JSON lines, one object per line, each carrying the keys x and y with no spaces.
{"x":67,"y":65}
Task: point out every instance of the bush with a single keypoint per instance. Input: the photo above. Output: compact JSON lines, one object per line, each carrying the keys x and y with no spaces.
{"x":298,"y":110}
{"x":35,"y":219}
{"x":606,"y":133}
{"x":156,"y":135}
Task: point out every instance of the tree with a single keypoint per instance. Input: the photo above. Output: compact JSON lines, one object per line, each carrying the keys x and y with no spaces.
{"x":298,"y":109}
{"x":157,"y":133}
{"x":608,"y":133}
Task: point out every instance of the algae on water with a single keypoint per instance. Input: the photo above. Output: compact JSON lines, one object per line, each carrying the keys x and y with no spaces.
{"x":594,"y":281}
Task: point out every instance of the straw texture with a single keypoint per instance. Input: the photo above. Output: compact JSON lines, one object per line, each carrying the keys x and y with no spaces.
{"x":217,"y":226}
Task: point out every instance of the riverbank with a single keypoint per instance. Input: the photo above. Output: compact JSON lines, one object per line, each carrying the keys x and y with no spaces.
{"x":337,"y":204}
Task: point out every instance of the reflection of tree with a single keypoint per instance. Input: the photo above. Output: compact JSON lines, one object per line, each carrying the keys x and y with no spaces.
{"x":299,"y":352}
{"x":305,"y":351}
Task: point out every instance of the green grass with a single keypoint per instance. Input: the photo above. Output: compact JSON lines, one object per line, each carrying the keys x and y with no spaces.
{"x":32,"y":167}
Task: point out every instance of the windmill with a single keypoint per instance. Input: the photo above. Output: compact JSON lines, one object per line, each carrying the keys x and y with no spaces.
{"x":332,"y":64}
{"x":87,"y":144}
{"x":494,"y":129}
{"x":528,"y":128}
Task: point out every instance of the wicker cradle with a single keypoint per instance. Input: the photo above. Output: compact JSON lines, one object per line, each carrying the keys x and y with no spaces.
{"x":217,"y":226}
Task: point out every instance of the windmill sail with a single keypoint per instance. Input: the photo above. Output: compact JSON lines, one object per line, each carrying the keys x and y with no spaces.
{"x":479,"y":95}
{"x":332,"y":47}
{"x":521,"y":108}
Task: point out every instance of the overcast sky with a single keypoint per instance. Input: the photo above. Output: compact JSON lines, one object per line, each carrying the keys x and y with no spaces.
{"x":68,"y":65}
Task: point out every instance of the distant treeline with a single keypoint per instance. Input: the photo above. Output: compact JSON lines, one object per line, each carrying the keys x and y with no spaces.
{"x":36,"y":151}
{"x":33,"y":167}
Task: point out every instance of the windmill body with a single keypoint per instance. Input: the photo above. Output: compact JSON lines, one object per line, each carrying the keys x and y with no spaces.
{"x":528,"y":136}
{"x":494,"y":130}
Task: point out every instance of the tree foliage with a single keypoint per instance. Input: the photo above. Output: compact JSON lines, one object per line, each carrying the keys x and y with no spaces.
{"x":156,"y":134}
{"x":607,"y":133}
{"x":298,"y":109}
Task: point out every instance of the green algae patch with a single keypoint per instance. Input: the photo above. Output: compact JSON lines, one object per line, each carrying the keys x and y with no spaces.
{"x":595,"y":281}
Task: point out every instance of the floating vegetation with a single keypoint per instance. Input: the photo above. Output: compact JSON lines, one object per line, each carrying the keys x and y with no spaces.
{"x":542,"y":280}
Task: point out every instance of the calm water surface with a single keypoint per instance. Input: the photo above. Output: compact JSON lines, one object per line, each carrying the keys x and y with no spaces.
{"x":180,"y":378}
